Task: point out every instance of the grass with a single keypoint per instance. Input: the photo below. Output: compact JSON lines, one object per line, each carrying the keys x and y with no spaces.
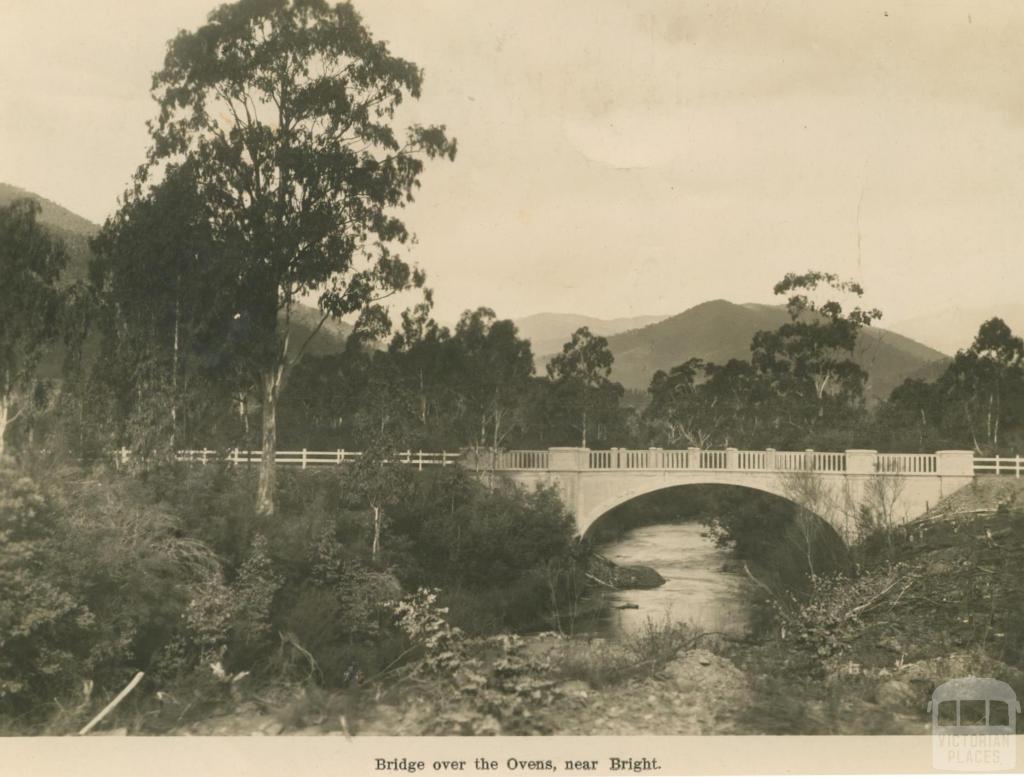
{"x":601,"y":663}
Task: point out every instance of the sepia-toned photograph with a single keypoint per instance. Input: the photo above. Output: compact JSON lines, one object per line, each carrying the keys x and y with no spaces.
{"x":463,"y":369}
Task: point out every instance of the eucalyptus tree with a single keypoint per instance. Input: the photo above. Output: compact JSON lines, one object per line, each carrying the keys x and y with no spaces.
{"x":493,"y":366}
{"x":808,"y":361}
{"x":985,"y":385}
{"x":31,"y":261}
{"x":164,"y":325}
{"x":381,"y":481}
{"x":584,"y":369}
{"x":287,"y":111}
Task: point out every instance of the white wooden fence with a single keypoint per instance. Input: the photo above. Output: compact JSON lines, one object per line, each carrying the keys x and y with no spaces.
{"x":306,"y":458}
{"x":998,"y":465}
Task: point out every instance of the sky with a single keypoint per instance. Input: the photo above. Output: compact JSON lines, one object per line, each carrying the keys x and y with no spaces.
{"x":623,"y":158}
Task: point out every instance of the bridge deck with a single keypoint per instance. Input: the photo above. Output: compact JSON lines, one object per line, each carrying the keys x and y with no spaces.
{"x":957,"y":463}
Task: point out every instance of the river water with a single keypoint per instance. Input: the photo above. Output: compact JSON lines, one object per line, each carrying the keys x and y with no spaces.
{"x":700,"y":586}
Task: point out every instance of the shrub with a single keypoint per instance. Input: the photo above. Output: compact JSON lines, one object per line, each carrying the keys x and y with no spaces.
{"x":232,"y":621}
{"x":45,"y":629}
{"x":658,"y":642}
{"x":91,"y":581}
{"x":829,"y":620}
{"x":468,"y":534}
{"x":487,"y":686}
{"x":596,"y":662}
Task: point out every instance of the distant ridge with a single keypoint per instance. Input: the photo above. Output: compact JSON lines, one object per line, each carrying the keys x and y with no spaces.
{"x":720,"y":330}
{"x":548,"y":332}
{"x":74,"y":230}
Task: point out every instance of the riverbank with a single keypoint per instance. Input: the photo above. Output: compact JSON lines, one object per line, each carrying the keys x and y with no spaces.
{"x":942,"y":601}
{"x":938,"y":599}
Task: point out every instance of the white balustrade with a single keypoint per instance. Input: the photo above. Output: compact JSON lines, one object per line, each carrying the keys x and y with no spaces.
{"x":854,"y":462}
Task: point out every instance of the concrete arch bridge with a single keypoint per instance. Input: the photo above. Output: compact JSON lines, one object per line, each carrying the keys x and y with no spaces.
{"x":834,"y":486}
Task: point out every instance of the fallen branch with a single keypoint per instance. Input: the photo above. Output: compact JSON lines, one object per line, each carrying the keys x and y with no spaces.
{"x":602,"y":582}
{"x":756,"y":581}
{"x":117,"y":700}
{"x":871,"y":602}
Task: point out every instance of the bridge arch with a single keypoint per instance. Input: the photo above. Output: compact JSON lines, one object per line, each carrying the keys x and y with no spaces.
{"x":594,"y":509}
{"x":598,"y":511}
{"x":763,"y":526}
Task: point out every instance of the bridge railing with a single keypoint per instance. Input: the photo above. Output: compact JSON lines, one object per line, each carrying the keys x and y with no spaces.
{"x":752,"y":460}
{"x":522,"y":460}
{"x":907,"y":463}
{"x":852,"y":462}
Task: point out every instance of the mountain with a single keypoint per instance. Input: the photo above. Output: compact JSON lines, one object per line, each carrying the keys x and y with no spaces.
{"x":953,"y":329}
{"x":548,"y":332}
{"x":717,"y":331}
{"x":74,"y":230}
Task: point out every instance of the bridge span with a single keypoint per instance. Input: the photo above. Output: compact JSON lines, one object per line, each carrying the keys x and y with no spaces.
{"x":834,"y":486}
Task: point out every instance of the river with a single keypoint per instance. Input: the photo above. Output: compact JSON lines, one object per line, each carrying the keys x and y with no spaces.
{"x":699,"y":587}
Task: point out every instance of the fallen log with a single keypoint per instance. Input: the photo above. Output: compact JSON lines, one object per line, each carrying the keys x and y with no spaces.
{"x":110,"y":707}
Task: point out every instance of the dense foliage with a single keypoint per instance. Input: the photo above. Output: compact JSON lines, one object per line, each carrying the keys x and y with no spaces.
{"x":177,"y":572}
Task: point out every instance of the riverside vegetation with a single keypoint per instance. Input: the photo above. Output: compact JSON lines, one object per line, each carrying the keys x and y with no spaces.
{"x":464,"y":623}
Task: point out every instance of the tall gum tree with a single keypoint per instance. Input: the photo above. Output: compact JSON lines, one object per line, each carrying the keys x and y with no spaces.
{"x":808,"y":361}
{"x":584,"y":366}
{"x":30,"y":265}
{"x":286,"y":110}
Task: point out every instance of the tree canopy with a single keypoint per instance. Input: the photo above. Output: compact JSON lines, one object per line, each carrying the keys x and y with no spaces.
{"x":31,"y":261}
{"x":286,"y":112}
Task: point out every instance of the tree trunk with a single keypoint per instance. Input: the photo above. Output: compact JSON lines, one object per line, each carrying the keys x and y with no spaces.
{"x":583,"y":444}
{"x":174,"y":366}
{"x":375,"y":553}
{"x":268,"y":466}
{"x":4,"y":414}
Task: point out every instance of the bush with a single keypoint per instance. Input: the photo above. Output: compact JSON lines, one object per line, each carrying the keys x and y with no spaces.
{"x":92,"y":582}
{"x":485,"y":686}
{"x":466,"y":534}
{"x":658,"y":642}
{"x":829,"y":620}
{"x":45,"y":629}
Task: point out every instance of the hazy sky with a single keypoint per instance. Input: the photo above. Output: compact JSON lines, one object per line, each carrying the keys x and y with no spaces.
{"x":621,"y":158}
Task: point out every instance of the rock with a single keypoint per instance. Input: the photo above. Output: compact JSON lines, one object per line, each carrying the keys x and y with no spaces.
{"x":939,"y":567}
{"x":112,"y":732}
{"x":272,"y":729}
{"x":900,"y":694}
{"x":574,"y":688}
{"x":637,"y":576}
{"x":634,"y":576}
{"x":891,"y":643}
{"x":707,"y":681}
